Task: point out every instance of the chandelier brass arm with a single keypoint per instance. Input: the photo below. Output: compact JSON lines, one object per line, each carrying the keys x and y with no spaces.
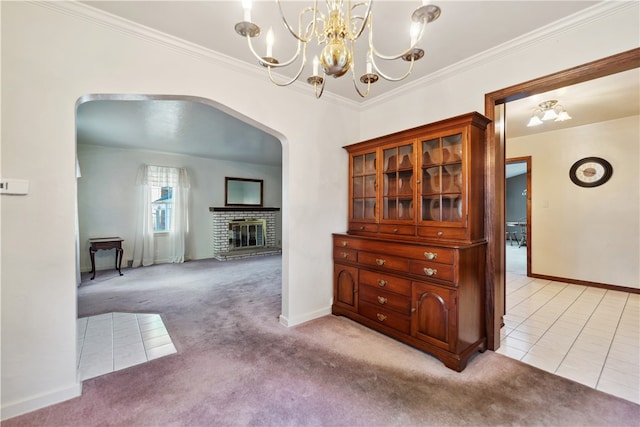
{"x":336,"y":34}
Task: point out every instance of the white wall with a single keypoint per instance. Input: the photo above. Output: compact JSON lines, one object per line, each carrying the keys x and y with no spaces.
{"x":107,"y":197}
{"x":611,"y":27}
{"x":589,"y":234}
{"x":50,"y":59}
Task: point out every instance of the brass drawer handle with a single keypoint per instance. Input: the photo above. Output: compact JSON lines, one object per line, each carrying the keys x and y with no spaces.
{"x":381,"y":317}
{"x":362,"y":227}
{"x":430,"y":255}
{"x":382,"y":283}
{"x":382,"y":300}
{"x":440,"y":234}
{"x":345,"y":255}
{"x":395,"y":230}
{"x":380,"y":261}
{"x":430,"y":271}
{"x":345,"y":243}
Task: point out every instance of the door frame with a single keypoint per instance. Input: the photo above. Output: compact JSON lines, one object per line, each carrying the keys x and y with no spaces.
{"x":495,"y":182}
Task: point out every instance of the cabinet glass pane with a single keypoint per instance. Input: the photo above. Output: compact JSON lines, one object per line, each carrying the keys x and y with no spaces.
{"x":390,"y":208}
{"x":431,"y":208}
{"x":431,"y":153}
{"x":405,"y":153}
{"x":452,"y":208}
{"x":370,"y":208}
{"x":431,"y":180}
{"x":405,"y":209}
{"x":370,"y":186}
{"x":358,"y":208}
{"x":370,"y":163}
{"x":452,"y":178}
{"x":452,"y":148}
{"x":358,"y":186}
{"x":390,"y":183}
{"x":405,"y":186}
{"x":358,"y":165}
{"x":390,"y":160}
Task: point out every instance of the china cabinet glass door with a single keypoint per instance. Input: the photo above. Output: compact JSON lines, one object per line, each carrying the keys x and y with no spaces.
{"x":398,"y":181}
{"x":441,"y":193}
{"x":363,"y":184}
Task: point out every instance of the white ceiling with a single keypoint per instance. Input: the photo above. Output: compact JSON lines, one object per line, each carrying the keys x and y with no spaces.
{"x":464,"y":29}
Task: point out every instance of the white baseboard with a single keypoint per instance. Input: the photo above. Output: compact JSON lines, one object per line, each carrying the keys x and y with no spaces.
{"x":13,"y":409}
{"x":298,"y":320}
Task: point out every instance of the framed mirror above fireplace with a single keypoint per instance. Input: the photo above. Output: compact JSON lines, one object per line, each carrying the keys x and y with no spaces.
{"x":243,"y":192}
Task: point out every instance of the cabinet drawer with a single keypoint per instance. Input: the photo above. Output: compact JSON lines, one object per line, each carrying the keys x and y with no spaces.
{"x":383,"y":261}
{"x":386,"y":317}
{"x":385,"y":300}
{"x":385,"y":282}
{"x":432,"y":270}
{"x":363,"y":226}
{"x":431,"y":254}
{"x":345,"y":254}
{"x":442,"y":232}
{"x":398,"y":230}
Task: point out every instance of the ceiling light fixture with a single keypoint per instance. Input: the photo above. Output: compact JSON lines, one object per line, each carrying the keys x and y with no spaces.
{"x":547,"y":111}
{"x":336,"y":33}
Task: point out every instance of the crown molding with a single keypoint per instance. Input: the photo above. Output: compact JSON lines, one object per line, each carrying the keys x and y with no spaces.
{"x":134,"y":29}
{"x":584,"y":17}
{"x":100,"y":17}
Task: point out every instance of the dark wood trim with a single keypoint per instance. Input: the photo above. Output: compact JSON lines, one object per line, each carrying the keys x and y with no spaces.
{"x":241,"y":209}
{"x":495,"y":215}
{"x":587,"y":283}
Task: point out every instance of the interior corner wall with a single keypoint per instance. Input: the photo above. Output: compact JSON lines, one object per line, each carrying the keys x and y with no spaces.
{"x":588,"y":234}
{"x":107,"y":198}
{"x":51,"y":57}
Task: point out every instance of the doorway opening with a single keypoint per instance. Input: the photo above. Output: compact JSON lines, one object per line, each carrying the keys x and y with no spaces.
{"x":518,"y":216}
{"x":495,"y":190}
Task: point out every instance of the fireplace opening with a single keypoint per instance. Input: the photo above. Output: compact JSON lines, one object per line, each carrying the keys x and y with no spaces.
{"x":247,"y":233}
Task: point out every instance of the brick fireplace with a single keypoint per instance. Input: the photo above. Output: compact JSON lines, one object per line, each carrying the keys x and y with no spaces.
{"x":240,"y":232}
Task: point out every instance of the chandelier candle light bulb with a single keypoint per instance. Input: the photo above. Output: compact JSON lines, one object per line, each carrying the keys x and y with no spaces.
{"x":316,"y":62}
{"x":246,"y":6}
{"x":270,"y":42}
{"x":336,"y":32}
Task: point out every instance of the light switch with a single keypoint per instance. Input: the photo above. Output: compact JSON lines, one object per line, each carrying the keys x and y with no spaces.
{"x":14,"y":186}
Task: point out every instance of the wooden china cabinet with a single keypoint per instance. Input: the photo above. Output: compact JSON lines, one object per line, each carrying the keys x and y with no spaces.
{"x":411,"y":264}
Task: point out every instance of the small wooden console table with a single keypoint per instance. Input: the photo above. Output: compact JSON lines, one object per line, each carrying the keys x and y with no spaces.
{"x":105,"y":243}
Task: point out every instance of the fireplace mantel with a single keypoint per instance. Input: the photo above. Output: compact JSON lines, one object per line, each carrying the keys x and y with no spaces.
{"x":242,"y":209}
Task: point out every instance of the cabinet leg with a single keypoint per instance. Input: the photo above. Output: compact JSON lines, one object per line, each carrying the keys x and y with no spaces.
{"x":92,"y":254}
{"x":119,"y":263}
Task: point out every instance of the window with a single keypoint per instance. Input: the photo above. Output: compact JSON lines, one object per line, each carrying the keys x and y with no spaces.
{"x":162,"y":208}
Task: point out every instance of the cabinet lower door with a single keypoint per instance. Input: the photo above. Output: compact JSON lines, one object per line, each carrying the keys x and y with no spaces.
{"x":345,"y":286}
{"x":433,"y":315}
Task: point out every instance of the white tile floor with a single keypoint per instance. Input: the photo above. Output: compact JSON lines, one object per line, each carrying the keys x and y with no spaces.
{"x":113,"y":341}
{"x":586,"y":334}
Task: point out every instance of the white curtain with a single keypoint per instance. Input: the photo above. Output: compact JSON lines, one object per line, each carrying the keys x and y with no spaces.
{"x":160,"y":176}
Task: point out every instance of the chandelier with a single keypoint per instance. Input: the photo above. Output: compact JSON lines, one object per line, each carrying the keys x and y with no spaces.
{"x":547,"y":111}
{"x":336,"y":32}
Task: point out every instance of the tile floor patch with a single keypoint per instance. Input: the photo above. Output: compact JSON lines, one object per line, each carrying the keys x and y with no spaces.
{"x":588,"y":335}
{"x":113,"y":341}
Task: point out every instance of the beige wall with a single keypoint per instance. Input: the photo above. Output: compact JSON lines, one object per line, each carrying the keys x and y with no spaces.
{"x":589,"y":234}
{"x":52,"y":57}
